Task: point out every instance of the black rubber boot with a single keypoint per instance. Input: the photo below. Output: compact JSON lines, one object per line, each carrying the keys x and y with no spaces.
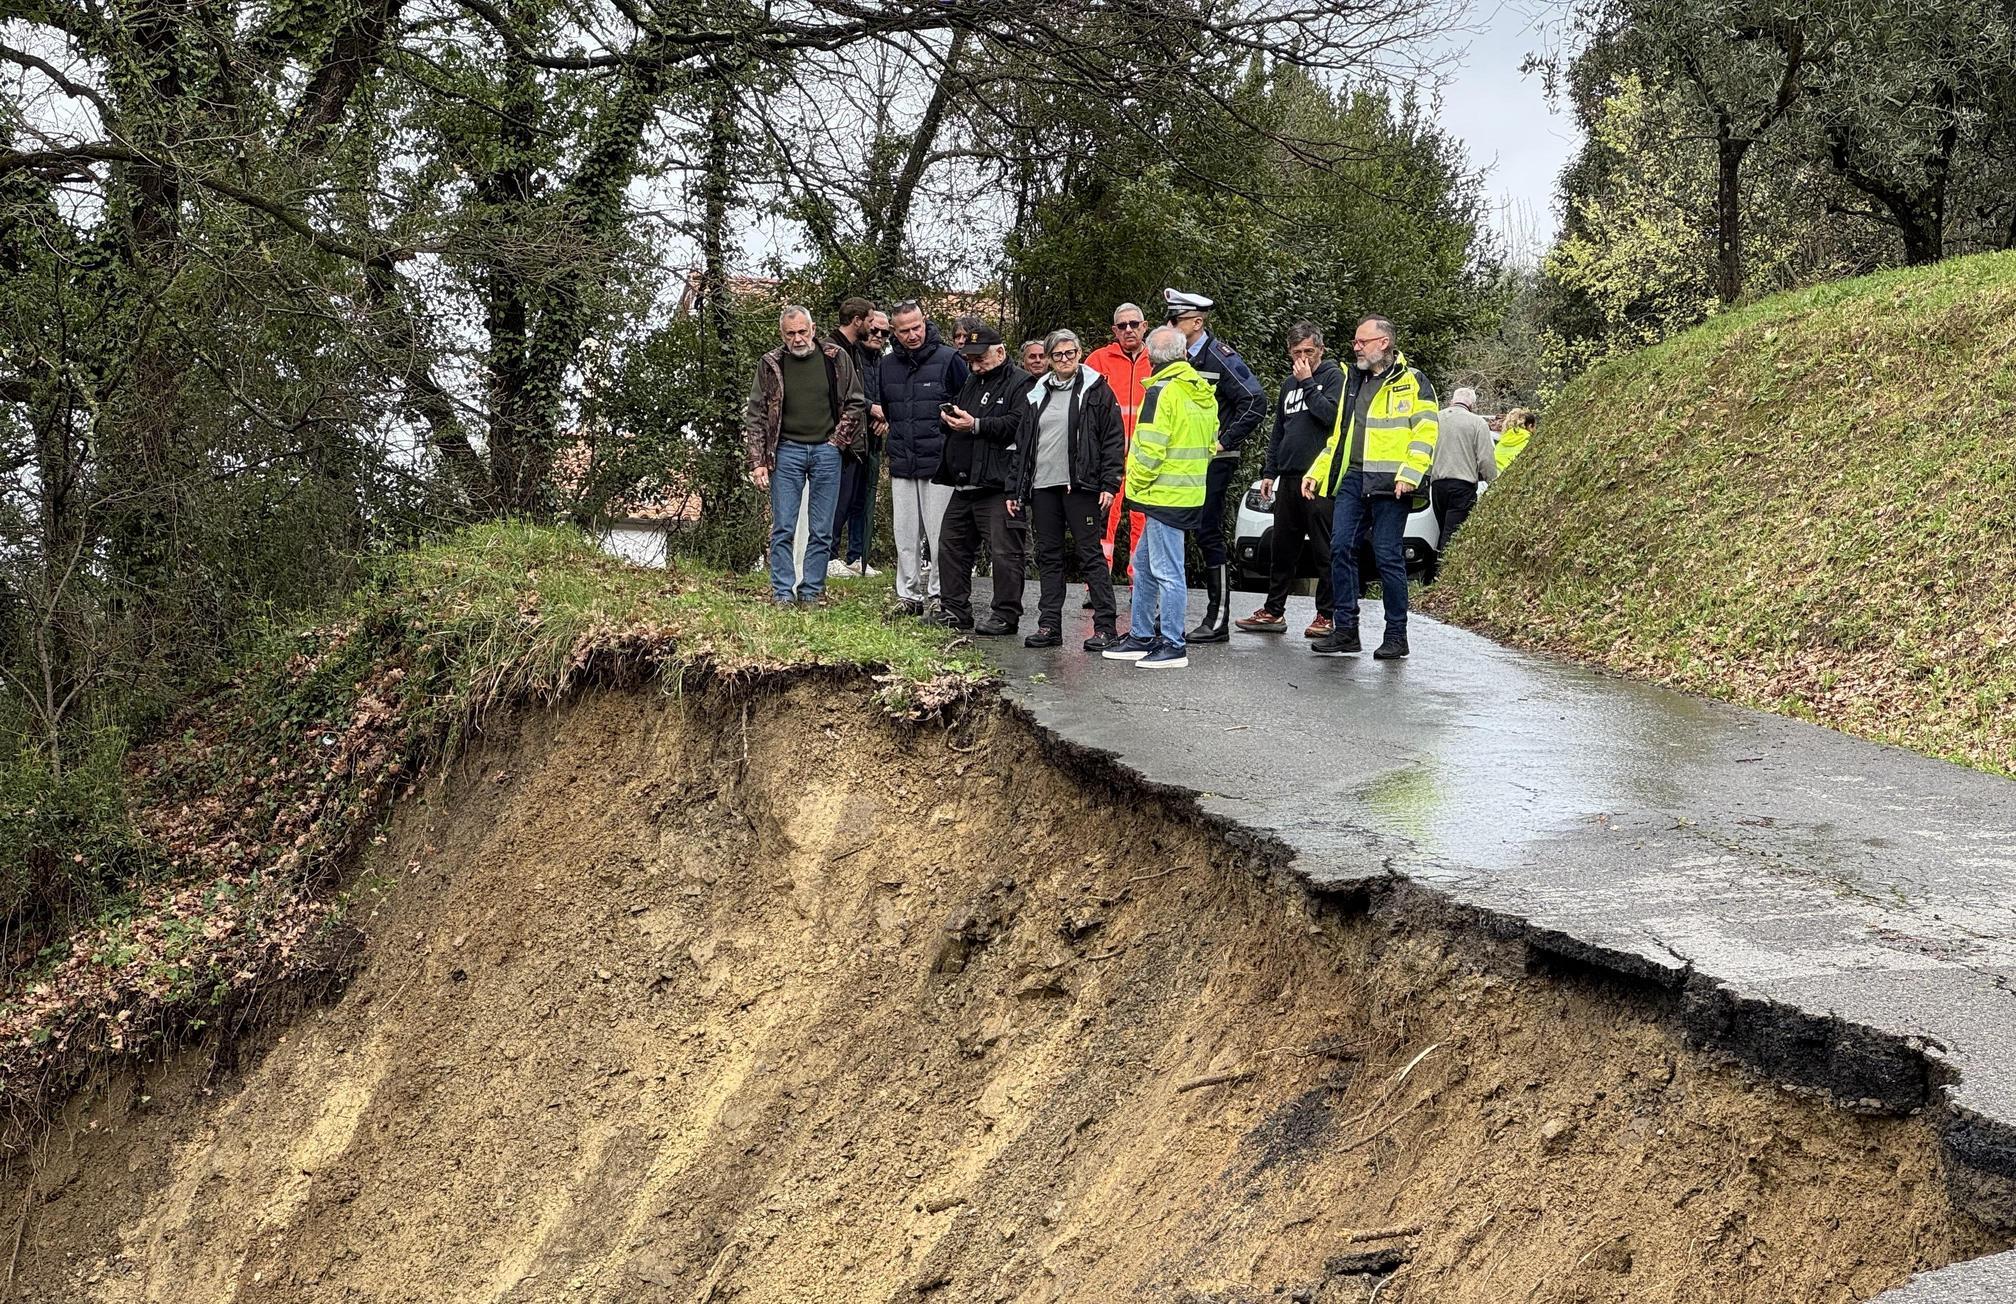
{"x":1217,"y":624}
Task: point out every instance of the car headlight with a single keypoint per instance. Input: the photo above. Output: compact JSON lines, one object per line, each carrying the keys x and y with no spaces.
{"x":1255,"y":503}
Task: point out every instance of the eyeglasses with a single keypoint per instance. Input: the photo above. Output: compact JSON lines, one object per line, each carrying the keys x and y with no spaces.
{"x":1063,"y":355}
{"x":1369,"y":342}
{"x":1128,"y":325}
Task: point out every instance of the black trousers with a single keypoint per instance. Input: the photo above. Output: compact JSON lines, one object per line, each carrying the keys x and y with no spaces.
{"x":857,"y":481}
{"x":1052,"y":512}
{"x":1211,"y":534}
{"x":971,"y":516}
{"x":1454,"y":501}
{"x":1301,"y":532}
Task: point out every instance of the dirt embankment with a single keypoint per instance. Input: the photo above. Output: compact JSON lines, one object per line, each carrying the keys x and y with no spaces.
{"x":1786,"y":507}
{"x":698,"y":1000}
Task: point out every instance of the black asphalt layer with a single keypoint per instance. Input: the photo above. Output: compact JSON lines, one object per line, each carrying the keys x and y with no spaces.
{"x":1838,"y":914}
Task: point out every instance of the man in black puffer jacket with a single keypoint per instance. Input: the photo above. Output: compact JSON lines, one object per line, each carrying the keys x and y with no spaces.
{"x":1071,"y":456}
{"x":920,"y":377}
{"x":978,"y":464}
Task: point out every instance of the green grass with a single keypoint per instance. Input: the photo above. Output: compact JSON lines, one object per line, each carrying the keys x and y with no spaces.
{"x":249,"y":808}
{"x":1807,"y":504}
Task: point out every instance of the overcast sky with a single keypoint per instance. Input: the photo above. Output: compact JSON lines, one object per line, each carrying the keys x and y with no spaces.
{"x":1502,"y":115}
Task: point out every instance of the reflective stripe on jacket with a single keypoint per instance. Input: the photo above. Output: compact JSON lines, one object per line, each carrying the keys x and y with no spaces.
{"x":1400,"y":429}
{"x":1171,"y":455}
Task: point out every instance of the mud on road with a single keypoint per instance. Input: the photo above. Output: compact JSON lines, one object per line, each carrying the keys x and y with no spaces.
{"x":768,"y":999}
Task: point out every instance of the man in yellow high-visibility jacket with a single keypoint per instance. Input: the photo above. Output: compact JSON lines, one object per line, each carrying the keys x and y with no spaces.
{"x":1167,"y":468}
{"x":1378,"y":455}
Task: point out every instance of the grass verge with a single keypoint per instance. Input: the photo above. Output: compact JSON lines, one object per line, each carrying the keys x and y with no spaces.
{"x":252,"y":803}
{"x":1806,"y":505}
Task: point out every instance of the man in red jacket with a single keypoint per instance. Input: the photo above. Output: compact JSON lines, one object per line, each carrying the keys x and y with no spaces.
{"x":1125,"y":366}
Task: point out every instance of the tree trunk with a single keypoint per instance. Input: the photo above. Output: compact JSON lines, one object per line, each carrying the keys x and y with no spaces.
{"x":1729,"y":152}
{"x":506,"y":194}
{"x":143,"y":442}
{"x":895,"y":214}
{"x":723,"y":460}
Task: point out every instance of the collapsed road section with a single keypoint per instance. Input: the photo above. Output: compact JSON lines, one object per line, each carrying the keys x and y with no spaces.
{"x":707,"y":996}
{"x":1835,"y":914}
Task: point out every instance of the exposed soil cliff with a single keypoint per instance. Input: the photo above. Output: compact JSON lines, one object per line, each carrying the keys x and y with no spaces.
{"x":699,"y":998}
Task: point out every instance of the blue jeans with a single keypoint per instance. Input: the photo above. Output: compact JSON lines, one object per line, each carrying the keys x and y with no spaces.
{"x":796,"y":465}
{"x":1385,"y":518}
{"x":1161,"y":589}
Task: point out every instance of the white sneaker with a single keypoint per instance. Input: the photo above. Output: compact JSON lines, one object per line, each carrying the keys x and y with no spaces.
{"x":839,"y":570}
{"x":867,"y":571}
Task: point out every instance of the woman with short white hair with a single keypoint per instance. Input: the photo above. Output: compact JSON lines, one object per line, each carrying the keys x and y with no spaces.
{"x":1073,"y":454}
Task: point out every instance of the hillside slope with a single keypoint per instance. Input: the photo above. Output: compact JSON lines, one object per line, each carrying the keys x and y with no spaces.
{"x":1807,"y":505}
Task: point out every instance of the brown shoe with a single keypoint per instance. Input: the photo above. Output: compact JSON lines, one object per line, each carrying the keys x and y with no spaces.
{"x":1263,"y":621}
{"x":1319,"y":628}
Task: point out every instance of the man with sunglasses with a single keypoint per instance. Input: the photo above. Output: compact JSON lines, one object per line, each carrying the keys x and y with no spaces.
{"x":1125,"y":365}
{"x":1241,"y":405}
{"x":860,"y":462}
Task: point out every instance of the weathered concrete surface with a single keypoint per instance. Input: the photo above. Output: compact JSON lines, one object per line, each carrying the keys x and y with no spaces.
{"x":1840,"y":914}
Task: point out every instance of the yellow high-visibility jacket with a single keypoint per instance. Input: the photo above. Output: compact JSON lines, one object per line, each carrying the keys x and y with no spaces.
{"x":1511,"y":443}
{"x":1400,"y":431}
{"x":1171,"y":452}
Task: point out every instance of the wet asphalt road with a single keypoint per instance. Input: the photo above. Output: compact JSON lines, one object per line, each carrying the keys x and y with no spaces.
{"x":1671,"y":836}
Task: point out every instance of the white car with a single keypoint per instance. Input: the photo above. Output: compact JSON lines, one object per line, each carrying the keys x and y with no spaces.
{"x":1253,"y":542}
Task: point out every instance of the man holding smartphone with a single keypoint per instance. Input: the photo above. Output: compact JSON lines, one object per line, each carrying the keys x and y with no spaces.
{"x":979,"y":465}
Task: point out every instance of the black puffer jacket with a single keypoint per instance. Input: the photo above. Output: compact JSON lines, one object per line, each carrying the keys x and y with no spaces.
{"x":1096,"y":446}
{"x":913,"y":385}
{"x":985,"y":458}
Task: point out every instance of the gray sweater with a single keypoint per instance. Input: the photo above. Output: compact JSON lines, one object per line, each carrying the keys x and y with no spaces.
{"x":1464,"y":449}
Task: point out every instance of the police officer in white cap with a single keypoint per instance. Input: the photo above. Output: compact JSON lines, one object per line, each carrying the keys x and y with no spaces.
{"x":1241,"y":405}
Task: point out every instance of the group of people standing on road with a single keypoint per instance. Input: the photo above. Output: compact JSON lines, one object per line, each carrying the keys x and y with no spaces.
{"x":1060,"y":443}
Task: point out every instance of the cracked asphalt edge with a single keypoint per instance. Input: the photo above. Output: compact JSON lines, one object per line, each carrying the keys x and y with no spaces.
{"x":1853,"y":1066}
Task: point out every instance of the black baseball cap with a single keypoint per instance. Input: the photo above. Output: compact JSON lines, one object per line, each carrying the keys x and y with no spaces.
{"x":980,"y":341}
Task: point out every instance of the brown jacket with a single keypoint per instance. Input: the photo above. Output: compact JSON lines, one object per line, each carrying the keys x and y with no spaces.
{"x":763,"y":419}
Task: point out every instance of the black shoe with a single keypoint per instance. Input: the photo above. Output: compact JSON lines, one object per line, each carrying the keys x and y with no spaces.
{"x":1339,"y":642}
{"x":911,"y":607}
{"x":1392,"y":649}
{"x":949,"y":620}
{"x":994,"y":627}
{"x":1100,"y":641}
{"x":1044,"y":638}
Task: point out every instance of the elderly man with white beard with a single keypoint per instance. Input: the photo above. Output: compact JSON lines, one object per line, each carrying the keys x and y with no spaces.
{"x":804,"y":408}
